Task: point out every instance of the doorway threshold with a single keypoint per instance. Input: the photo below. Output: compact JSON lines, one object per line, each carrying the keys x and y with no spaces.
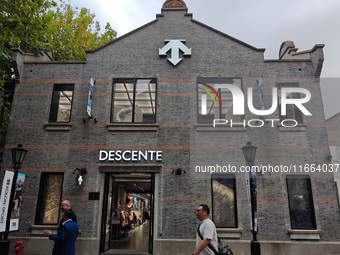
{"x":125,"y":252}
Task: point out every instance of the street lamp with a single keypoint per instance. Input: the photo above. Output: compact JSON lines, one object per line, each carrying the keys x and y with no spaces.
{"x":18,"y":156}
{"x":249,"y":152}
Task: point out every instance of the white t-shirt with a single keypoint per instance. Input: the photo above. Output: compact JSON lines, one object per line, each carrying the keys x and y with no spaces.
{"x":207,"y":230}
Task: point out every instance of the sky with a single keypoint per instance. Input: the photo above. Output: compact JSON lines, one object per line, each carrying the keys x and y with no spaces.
{"x":260,"y":23}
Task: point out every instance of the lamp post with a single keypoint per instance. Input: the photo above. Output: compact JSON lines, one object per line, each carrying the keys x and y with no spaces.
{"x":249,"y":152}
{"x":18,"y":156}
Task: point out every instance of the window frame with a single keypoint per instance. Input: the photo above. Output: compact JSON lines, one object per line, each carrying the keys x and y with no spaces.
{"x":54,"y":108}
{"x":311,"y":203}
{"x":215,"y":80}
{"x":298,"y":116}
{"x":134,"y":80}
{"x":42,"y":185}
{"x":235,"y":211}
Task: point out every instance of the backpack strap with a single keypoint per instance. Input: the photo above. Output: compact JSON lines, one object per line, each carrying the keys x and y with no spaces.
{"x":209,"y":245}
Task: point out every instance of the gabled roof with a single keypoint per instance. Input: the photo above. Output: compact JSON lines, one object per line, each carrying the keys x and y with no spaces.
{"x":228,"y":36}
{"x":333,"y":117}
{"x":176,"y":5}
{"x":122,"y":37}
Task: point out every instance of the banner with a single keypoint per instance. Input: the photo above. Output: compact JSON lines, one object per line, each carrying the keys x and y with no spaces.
{"x":254,"y":184}
{"x":251,"y":184}
{"x":5,"y":199}
{"x":89,"y":100}
{"x":261,"y":93}
{"x":17,"y":200}
{"x":249,"y":200}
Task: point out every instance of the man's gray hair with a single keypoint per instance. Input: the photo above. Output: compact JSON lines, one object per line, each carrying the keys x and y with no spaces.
{"x":68,"y":203}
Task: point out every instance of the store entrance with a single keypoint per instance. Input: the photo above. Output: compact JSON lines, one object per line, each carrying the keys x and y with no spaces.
{"x":129,"y":210}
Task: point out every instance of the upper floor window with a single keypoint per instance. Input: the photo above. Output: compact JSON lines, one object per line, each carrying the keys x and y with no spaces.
{"x":292,"y":111}
{"x":61,"y":103}
{"x":134,"y":101}
{"x":224,"y":210}
{"x":301,"y":205}
{"x":215,"y":100}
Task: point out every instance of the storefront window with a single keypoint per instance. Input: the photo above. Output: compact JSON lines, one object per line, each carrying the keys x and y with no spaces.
{"x":61,"y":103}
{"x":128,"y":204}
{"x":224,"y":211}
{"x":211,"y":93}
{"x":301,"y":203}
{"x":134,"y":101}
{"x":49,"y":198}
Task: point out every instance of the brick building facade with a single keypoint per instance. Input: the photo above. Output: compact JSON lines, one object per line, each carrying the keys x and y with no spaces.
{"x":334,"y":144}
{"x":149,"y":124}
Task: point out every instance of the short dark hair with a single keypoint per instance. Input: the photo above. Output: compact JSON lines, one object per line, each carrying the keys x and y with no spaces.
{"x":205,"y":208}
{"x":68,"y":214}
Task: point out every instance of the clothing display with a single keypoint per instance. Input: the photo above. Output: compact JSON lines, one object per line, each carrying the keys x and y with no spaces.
{"x":131,"y":214}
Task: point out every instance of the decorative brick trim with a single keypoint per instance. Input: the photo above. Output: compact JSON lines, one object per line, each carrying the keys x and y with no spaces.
{"x":65,"y":81}
{"x":175,"y":94}
{"x":176,"y":81}
{"x":174,"y":4}
{"x":165,"y":147}
{"x":184,"y":198}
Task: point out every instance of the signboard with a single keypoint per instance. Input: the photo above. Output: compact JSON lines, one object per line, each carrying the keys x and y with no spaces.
{"x":130,"y":155}
{"x":175,"y":46}
{"x":5,"y":199}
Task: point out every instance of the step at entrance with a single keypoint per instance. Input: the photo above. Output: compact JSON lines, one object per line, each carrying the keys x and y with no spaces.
{"x":123,"y":252}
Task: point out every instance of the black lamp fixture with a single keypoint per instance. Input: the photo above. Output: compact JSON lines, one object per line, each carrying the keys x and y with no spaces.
{"x":18,"y":156}
{"x":178,"y":171}
{"x":249,"y":152}
{"x":81,"y":171}
{"x":94,"y":119}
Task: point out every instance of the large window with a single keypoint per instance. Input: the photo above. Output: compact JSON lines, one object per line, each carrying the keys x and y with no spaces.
{"x":224,"y":211}
{"x":134,"y":101}
{"x":292,"y":111}
{"x":210,"y":91}
{"x":49,"y":200}
{"x":301,"y":205}
{"x":61,"y":103}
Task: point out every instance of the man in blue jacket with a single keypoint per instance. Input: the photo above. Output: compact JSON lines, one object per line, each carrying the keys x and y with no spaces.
{"x":65,"y":240}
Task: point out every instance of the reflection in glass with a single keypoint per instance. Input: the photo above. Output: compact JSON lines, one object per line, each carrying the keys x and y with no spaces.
{"x":209,"y":106}
{"x":49,"y":198}
{"x":224,"y":202}
{"x":301,"y":203}
{"x":134,"y":100}
{"x":61,"y":103}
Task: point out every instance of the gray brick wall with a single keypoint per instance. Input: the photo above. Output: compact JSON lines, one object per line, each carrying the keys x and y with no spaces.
{"x":136,"y":56}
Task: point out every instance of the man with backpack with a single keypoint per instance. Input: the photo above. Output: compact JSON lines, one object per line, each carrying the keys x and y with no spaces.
{"x":206,"y":235}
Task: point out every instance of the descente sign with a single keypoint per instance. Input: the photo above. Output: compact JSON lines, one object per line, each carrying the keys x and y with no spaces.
{"x":130,"y":155}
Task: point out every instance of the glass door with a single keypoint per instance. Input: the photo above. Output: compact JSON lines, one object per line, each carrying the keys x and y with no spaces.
{"x":106,"y":223}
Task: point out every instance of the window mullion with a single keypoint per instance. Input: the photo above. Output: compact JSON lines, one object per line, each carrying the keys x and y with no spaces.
{"x":134,"y":100}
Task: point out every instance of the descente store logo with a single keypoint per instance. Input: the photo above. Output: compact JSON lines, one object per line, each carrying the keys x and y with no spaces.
{"x":238,"y":99}
{"x":130,"y":155}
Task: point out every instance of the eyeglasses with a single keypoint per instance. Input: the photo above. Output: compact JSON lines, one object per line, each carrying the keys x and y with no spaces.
{"x":199,"y":210}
